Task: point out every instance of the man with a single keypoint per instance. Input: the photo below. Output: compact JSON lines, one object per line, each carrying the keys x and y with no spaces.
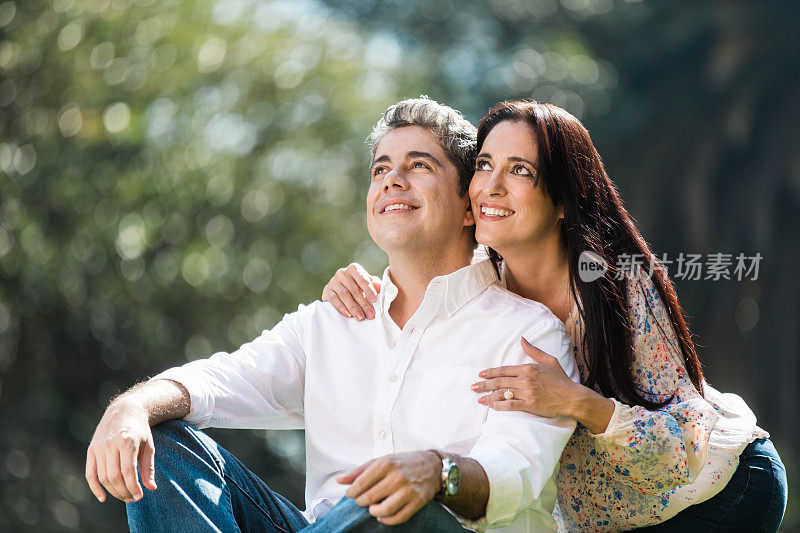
{"x":390,"y":421}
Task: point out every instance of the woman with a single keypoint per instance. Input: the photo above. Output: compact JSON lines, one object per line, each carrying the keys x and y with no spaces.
{"x":655,"y":443}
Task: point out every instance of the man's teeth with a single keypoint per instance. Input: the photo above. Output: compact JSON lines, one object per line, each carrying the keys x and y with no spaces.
{"x":397,"y":207}
{"x":494,"y":212}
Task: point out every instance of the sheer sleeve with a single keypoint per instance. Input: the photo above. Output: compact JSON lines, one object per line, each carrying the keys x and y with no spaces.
{"x":653,"y":451}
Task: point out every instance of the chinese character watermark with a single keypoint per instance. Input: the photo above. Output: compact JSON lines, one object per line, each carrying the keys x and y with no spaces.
{"x":713,"y":267}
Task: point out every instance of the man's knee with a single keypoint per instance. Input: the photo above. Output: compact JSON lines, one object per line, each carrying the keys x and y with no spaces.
{"x":171,"y":430}
{"x":177,"y":442}
{"x":348,"y":516}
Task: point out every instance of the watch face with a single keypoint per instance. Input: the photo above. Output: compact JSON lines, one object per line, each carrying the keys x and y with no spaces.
{"x":453,"y":479}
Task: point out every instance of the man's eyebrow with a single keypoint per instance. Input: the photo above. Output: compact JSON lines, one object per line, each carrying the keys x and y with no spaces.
{"x":381,"y":159}
{"x":425,"y":155}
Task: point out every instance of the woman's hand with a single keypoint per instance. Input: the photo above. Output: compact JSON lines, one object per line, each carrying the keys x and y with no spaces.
{"x":351,"y":291}
{"x":539,"y":388}
{"x":543,"y":388}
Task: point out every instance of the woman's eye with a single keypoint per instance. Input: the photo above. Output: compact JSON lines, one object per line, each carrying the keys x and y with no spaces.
{"x":520,"y":170}
{"x":482,"y":165}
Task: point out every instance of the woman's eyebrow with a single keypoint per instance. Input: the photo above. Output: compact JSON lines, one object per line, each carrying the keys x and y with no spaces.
{"x":521,"y":160}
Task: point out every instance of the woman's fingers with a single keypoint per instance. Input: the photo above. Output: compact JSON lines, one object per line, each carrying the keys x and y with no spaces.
{"x":498,"y":396}
{"x":495,"y":384}
{"x":343,"y":293}
{"x":376,"y":283}
{"x":536,"y":354}
{"x":503,"y":371}
{"x":352,"y":291}
{"x":354,"y":287}
{"x":364,"y":281}
{"x":509,"y":405}
{"x":330,"y":296}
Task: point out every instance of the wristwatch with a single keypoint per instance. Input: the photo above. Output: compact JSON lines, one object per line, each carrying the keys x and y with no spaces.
{"x":450,"y":476}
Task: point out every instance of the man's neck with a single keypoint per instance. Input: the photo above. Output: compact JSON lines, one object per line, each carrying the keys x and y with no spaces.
{"x":541,"y":273}
{"x":412,"y":272}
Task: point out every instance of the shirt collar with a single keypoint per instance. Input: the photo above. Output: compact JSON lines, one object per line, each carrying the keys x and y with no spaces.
{"x":460,"y":286}
{"x":573,"y":314}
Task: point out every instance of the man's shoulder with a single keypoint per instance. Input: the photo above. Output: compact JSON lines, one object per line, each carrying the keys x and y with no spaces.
{"x":508,"y":305}
{"x":314,"y":311}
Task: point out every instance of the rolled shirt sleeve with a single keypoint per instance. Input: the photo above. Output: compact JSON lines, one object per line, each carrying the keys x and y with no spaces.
{"x":260,"y":385}
{"x":520,"y":452}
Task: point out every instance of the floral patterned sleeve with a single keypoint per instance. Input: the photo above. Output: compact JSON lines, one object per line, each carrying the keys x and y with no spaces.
{"x":653,"y":451}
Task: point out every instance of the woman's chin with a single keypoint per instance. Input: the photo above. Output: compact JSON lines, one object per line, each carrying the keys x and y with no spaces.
{"x":494,"y":244}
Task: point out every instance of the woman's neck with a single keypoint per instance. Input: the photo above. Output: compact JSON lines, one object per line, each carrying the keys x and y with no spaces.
{"x":541,"y":273}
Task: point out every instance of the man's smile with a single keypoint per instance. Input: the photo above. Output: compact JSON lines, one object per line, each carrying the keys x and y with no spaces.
{"x":395,"y":206}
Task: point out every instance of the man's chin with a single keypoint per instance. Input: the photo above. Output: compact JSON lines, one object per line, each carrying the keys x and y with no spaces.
{"x":400,"y":240}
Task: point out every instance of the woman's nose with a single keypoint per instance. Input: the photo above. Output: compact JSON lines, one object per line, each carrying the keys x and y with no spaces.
{"x":494,"y":186}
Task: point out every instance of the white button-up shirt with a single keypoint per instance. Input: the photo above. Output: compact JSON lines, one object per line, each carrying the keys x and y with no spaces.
{"x":366,"y":389}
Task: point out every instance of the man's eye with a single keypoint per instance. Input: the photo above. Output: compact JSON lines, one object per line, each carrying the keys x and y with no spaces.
{"x":378,"y":170}
{"x":419,"y":164}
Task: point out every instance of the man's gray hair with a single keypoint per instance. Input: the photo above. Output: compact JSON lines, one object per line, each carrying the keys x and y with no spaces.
{"x":456,"y":135}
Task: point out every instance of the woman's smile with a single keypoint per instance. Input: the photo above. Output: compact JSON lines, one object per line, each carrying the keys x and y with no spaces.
{"x":494,"y":212}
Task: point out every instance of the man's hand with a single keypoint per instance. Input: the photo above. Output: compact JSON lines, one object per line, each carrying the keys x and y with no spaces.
{"x":395,"y":486}
{"x":122,"y":439}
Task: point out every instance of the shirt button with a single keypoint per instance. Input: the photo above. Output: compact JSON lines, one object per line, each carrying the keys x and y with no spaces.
{"x":381,"y":434}
{"x":392,"y":378}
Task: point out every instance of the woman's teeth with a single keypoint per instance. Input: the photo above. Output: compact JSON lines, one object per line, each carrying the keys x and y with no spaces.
{"x":494,"y":212}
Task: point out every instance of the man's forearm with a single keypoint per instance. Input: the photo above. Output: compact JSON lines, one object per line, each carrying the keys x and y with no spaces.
{"x":160,"y":399}
{"x":473,"y":491}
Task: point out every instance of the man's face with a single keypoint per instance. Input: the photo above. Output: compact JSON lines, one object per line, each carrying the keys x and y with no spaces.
{"x":413,"y":199}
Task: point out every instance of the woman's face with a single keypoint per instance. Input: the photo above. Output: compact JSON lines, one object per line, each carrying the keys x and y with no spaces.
{"x":512,"y":211}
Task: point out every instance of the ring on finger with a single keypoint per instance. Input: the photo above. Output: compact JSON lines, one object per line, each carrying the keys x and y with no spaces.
{"x":508,"y":394}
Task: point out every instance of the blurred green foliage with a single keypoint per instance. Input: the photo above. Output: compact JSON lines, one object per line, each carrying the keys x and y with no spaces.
{"x":176,"y":175}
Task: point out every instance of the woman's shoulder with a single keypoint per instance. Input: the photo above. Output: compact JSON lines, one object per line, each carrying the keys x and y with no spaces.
{"x":646,"y":307}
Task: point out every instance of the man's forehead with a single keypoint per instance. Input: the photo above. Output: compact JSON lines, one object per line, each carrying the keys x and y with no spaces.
{"x":407,"y":140}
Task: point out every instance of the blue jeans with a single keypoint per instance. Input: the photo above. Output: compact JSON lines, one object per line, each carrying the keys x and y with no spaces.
{"x":753,"y":500}
{"x":202,"y":487}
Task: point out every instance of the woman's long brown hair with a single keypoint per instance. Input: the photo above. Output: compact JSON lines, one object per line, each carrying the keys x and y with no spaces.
{"x":595,"y":220}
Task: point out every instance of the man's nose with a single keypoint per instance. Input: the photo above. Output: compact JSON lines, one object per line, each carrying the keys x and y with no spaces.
{"x":395,"y":179}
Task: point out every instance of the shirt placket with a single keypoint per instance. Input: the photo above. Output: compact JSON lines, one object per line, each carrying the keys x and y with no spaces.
{"x":394,"y":376}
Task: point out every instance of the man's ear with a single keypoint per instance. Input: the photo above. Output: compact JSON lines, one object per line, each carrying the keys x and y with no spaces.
{"x":469,"y":217}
